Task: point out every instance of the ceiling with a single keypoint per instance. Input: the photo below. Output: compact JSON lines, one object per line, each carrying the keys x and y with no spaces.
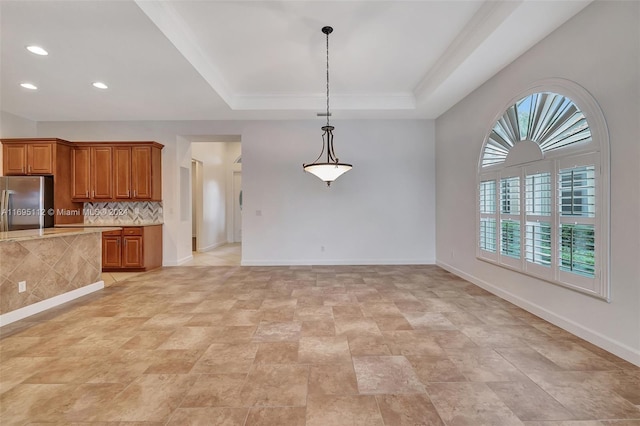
{"x":213,"y":60}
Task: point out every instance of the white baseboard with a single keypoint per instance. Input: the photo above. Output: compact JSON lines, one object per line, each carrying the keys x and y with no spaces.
{"x":179,"y":261}
{"x":617,"y":348}
{"x":352,"y":262}
{"x":43,"y":305}
{"x":211,"y":247}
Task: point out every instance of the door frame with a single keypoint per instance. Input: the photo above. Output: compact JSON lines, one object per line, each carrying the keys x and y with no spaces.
{"x":234,"y":205}
{"x":196,"y":202}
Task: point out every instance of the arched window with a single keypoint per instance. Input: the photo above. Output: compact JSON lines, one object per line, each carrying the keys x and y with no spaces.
{"x":543,"y":188}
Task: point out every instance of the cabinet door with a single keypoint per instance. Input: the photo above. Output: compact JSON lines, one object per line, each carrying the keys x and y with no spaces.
{"x":111,"y":252}
{"x":14,"y":158}
{"x":141,"y":172}
{"x":102,"y":173}
{"x":40,"y":158}
{"x":122,"y":172}
{"x":132,"y":252}
{"x":81,"y":178}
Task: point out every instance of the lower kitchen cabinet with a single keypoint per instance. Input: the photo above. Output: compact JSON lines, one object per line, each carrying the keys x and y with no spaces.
{"x":133,"y":248}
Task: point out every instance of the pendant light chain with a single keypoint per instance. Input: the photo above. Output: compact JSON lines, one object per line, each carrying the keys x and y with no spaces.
{"x":327,"y":78}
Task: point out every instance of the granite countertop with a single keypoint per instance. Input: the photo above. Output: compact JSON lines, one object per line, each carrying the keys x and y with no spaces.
{"x":103,"y":225}
{"x":32,"y":234}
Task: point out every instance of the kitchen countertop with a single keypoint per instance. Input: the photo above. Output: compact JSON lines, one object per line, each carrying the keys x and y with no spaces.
{"x":32,"y":234}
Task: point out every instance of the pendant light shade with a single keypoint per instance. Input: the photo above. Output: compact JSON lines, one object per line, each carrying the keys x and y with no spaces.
{"x":332,"y":168}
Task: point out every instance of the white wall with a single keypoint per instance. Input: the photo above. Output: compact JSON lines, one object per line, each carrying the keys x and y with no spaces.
{"x":380,"y":212}
{"x":14,"y":126}
{"x":600,"y":50}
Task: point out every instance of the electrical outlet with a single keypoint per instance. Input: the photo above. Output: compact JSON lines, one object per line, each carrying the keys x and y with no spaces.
{"x":258,"y":212}
{"x":322,"y":248}
{"x":22,"y":286}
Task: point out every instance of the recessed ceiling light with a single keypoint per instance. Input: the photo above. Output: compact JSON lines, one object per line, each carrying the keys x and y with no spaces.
{"x":29,"y":86}
{"x":37,"y":50}
{"x":100,"y":85}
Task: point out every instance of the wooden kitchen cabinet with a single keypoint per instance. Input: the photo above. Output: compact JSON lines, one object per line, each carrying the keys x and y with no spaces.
{"x":119,"y":171}
{"x":132,"y":249}
{"x":122,"y":172}
{"x":92,"y":173}
{"x":28,"y":158}
{"x":111,"y":251}
{"x":132,"y":252}
{"x":141,"y":173}
{"x":138,"y":172}
{"x":45,"y":156}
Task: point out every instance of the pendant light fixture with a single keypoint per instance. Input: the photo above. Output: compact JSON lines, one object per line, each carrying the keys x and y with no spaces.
{"x":331,"y":169}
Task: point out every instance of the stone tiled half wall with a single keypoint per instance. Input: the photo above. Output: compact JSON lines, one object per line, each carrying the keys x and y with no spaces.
{"x":50,"y":266}
{"x":137,"y":213}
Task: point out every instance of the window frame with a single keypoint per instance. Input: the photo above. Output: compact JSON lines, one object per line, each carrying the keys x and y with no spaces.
{"x":594,"y":152}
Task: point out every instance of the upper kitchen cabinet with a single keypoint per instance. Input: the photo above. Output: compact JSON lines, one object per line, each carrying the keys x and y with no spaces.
{"x":138,"y":171}
{"x":45,"y":156}
{"x":92,"y":172}
{"x":29,"y":157}
{"x":124,"y":171}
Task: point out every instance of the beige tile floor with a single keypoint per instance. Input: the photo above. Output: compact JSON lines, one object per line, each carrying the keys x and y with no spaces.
{"x":344,"y":345}
{"x":226,"y":255}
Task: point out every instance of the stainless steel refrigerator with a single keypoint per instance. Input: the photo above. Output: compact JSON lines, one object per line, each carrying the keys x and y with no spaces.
{"x":26,"y":202}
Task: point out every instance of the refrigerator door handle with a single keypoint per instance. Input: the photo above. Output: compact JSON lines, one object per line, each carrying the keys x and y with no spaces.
{"x":4,"y":205}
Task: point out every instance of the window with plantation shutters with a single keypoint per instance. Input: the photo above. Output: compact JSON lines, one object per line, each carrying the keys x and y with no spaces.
{"x":488,"y":201}
{"x":541,"y":208}
{"x":510,"y":217}
{"x":538,"y":207}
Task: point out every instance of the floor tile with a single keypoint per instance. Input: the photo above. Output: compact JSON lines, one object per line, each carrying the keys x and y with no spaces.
{"x":368,"y":345}
{"x":209,"y":417}
{"x":277,"y":331}
{"x":323,"y":350}
{"x":333,"y":379}
{"x":586,"y":398}
{"x":386,"y":375}
{"x":226,"y":358}
{"x":276,"y":385}
{"x":358,"y":410}
{"x":151,"y":397}
{"x":321,"y":328}
{"x":408,"y":410}
{"x":435,"y":369}
{"x":276,"y":416}
{"x":277,"y":353}
{"x":484,"y":365}
{"x":215,"y":390}
{"x":529,"y":402}
{"x":356,"y":327}
{"x":470,"y":404}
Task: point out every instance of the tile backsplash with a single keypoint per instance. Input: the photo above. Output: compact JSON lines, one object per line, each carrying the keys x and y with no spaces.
{"x":129,"y":213}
